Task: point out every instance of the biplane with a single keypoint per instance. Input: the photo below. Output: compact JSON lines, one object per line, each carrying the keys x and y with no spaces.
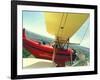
{"x":63,"y":26}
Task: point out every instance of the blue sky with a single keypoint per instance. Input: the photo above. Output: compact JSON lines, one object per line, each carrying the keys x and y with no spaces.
{"x":35,"y":22}
{"x":82,"y":36}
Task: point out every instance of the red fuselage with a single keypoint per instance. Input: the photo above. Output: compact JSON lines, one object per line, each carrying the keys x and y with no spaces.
{"x":45,"y":51}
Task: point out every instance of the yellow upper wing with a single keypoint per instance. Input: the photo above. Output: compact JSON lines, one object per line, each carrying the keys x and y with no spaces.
{"x":64,"y":25}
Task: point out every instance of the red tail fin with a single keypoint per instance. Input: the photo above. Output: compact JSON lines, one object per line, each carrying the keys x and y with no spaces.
{"x":24,"y":34}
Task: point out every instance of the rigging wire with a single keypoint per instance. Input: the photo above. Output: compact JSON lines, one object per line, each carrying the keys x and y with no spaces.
{"x":57,"y":43}
{"x":60,"y":23}
{"x":84,"y":35}
{"x":63,"y":25}
{"x":61,"y":29}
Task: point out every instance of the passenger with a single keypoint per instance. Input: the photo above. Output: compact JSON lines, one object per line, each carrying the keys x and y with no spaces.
{"x":43,"y":42}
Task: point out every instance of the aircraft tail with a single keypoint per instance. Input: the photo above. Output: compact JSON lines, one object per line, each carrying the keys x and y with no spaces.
{"x":24,"y":34}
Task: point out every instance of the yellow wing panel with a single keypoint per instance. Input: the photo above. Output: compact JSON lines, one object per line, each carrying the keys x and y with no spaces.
{"x":73,"y":23}
{"x":64,"y":25}
{"x":52,"y":21}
